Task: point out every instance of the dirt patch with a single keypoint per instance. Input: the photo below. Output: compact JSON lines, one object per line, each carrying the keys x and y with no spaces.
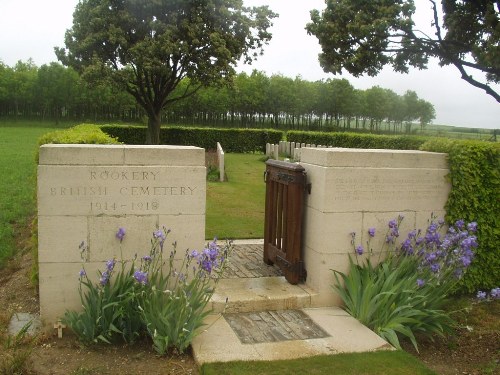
{"x":474,"y":347}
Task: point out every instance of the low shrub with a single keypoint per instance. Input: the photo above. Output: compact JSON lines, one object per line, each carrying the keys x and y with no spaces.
{"x":405,"y":293}
{"x":79,"y":134}
{"x":143,"y":296}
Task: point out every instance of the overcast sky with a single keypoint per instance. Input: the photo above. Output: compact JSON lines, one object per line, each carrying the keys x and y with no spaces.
{"x":31,"y":28}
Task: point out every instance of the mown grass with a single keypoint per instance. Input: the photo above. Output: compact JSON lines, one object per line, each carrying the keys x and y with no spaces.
{"x":18,"y":179}
{"x":383,"y":362}
{"x":235,"y":208}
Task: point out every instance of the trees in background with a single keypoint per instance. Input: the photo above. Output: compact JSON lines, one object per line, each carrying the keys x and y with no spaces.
{"x":362,"y":36}
{"x":251,"y":100}
{"x":147,"y":48}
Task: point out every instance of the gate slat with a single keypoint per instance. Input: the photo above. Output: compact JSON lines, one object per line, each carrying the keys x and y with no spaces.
{"x":279,"y":217}
{"x":284,"y":215}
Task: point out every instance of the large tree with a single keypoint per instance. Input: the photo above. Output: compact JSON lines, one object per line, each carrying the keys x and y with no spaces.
{"x":361,"y":36}
{"x":149,"y":46}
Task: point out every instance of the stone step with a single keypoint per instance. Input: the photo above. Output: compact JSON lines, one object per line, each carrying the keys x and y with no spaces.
{"x":257,"y":294}
{"x":257,"y":337}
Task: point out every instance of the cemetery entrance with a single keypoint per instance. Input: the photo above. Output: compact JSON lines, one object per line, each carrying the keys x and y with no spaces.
{"x":285,"y":186}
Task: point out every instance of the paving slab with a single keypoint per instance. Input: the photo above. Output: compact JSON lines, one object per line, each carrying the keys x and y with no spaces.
{"x":246,"y":260}
{"x":218,"y":342}
{"x":20,"y":320}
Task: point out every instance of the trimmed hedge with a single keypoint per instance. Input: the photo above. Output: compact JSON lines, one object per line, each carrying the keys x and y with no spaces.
{"x":356,"y":140}
{"x":79,"y":134}
{"x":475,"y":196}
{"x":232,"y":140}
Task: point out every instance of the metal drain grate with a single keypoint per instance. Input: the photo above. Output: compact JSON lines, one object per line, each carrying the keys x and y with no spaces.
{"x":272,"y":326}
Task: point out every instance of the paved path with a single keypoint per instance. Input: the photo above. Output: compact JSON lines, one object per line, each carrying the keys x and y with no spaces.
{"x":257,"y":315}
{"x":246,"y":261}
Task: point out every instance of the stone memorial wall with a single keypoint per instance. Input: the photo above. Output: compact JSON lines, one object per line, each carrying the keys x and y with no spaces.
{"x":353,"y":190}
{"x":87,"y":192}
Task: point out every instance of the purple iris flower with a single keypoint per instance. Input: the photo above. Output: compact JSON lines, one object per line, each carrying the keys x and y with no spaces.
{"x":120,"y":234}
{"x":359,"y":250}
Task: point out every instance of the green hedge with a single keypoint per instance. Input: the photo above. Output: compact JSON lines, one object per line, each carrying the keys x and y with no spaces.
{"x":79,"y":134}
{"x":475,"y":196}
{"x":356,"y":140}
{"x":231,"y":140}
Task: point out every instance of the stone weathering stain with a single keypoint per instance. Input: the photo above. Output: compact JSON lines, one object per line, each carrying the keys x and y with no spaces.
{"x":87,"y":192}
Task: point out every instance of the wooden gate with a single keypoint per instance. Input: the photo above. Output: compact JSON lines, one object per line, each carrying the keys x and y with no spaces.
{"x":285,"y":187}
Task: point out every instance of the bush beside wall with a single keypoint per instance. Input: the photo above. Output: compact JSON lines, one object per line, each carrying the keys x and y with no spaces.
{"x":355,"y":140}
{"x":475,"y":196}
{"x":232,"y":140}
{"x":79,"y":134}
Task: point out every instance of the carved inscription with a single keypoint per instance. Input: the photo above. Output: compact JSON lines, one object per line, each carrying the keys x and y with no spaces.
{"x":120,"y":190}
{"x":386,"y":188}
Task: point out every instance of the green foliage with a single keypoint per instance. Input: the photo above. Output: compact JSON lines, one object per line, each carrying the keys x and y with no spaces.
{"x":475,"y":196}
{"x":166,"y":299}
{"x":252,"y":100}
{"x":147,"y":48}
{"x":213,"y":174}
{"x":386,"y":299}
{"x":15,"y":352}
{"x":173,"y":311}
{"x":406,"y":292}
{"x":79,"y":134}
{"x":364,"y":36}
{"x":110,"y":310}
{"x":353,"y":140}
{"x":232,"y":140}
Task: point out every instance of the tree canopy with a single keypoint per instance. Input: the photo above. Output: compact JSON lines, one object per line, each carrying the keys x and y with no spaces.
{"x":362,"y":36}
{"x":252,"y":100}
{"x":148,"y":47}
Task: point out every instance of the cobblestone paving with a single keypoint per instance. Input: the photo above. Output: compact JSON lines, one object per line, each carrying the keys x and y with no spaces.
{"x":272,"y":326}
{"x":246,"y":261}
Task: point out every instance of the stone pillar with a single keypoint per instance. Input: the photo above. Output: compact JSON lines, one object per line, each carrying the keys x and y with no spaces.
{"x":87,"y":192}
{"x":355,"y":189}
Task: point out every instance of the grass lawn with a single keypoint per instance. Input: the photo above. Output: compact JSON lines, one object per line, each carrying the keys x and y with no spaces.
{"x":18,"y":179}
{"x":387,"y":363}
{"x":235,"y":209}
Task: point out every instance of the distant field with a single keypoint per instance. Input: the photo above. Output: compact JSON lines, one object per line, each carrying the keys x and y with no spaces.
{"x":460,"y":132}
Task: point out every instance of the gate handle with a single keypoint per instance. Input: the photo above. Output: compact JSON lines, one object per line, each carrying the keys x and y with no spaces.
{"x":265,"y":176}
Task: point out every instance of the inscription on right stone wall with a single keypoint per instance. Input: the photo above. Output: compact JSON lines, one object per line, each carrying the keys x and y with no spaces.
{"x":385,"y":188}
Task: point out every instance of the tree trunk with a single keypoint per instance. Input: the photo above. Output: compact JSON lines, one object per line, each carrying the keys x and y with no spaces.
{"x":153,"y":132}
